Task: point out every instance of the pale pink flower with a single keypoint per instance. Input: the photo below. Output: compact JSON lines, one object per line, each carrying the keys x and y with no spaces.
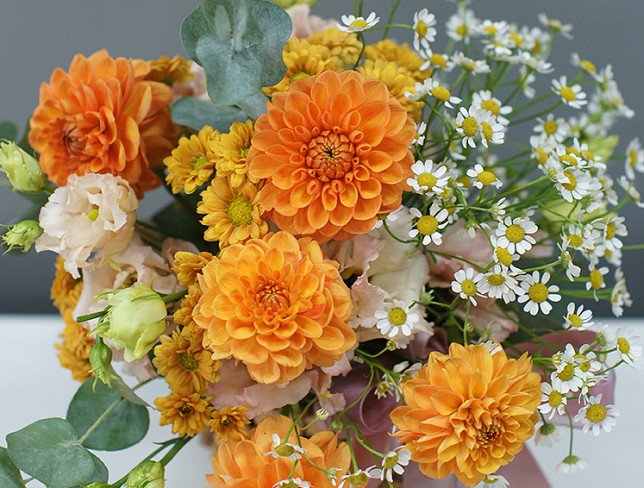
{"x":196,"y":87}
{"x":490,"y":320}
{"x":305,"y":24}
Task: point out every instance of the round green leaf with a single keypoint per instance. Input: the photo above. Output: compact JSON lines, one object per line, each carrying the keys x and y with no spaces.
{"x":49,"y":451}
{"x":100,"y":473}
{"x":9,"y":474}
{"x":125,"y":426}
{"x":195,"y":113}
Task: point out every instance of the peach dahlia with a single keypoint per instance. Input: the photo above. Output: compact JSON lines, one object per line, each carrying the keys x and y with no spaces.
{"x":275,"y":304}
{"x":334,"y":151}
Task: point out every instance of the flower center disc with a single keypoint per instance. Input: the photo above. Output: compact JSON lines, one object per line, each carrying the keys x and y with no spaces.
{"x":427,"y":225}
{"x":240,"y":211}
{"x":397,"y":316}
{"x":427,"y":180}
{"x":330,"y":156}
{"x":538,"y":293}
{"x":515,"y":233}
{"x":596,"y":413}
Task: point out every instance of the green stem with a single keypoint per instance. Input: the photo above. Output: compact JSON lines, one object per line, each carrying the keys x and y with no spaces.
{"x":90,"y":316}
{"x":99,"y":420}
{"x":175,"y":450}
{"x":538,"y":114}
{"x":392,"y":12}
{"x":633,"y":247}
{"x":173,"y":297}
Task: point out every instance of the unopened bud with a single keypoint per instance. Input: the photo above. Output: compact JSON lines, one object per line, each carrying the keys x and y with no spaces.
{"x":100,"y":357}
{"x":322,"y":414}
{"x":23,"y":170}
{"x":391,"y":346}
{"x":22,"y":235}
{"x":150,"y":474}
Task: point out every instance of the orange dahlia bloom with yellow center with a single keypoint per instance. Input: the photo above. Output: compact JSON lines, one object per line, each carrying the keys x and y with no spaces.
{"x":103,"y":116}
{"x":275,"y":304}
{"x":468,"y":412}
{"x":248,"y":464}
{"x":334,"y":150}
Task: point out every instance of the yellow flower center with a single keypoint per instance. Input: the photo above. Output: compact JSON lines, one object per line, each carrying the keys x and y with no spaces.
{"x":572,"y":150}
{"x":469,"y":287}
{"x":504,"y":256}
{"x":438,"y":60}
{"x":632,"y":158}
{"x":427,"y":225}
{"x":596,"y":413}
{"x":588,"y":66}
{"x":550,"y":127}
{"x":486,"y":177}
{"x":92,"y":214}
{"x":568,"y":159}
{"x":538,"y":292}
{"x":518,"y":40}
{"x":427,"y":180}
{"x":188,"y":362}
{"x":298,"y":75}
{"x":185,"y":410}
{"x":391,"y":461}
{"x":441,"y":93}
{"x":199,"y":162}
{"x":567,"y":373}
{"x":358,"y":479}
{"x":575,"y":320}
{"x":490,"y":30}
{"x":462,"y":30}
{"x":496,"y":279}
{"x":623,"y":345}
{"x":515,"y":233}
{"x":572,"y":181}
{"x":568,"y":94}
{"x":596,"y":279}
{"x":487,"y":435}
{"x":284,"y":450}
{"x":487,"y":131}
{"x":360,"y":23}
{"x":470,"y":126}
{"x":541,"y":155}
{"x":611,"y":230}
{"x":240,"y":211}
{"x":584,"y":364}
{"x":555,"y":398}
{"x":491,"y":106}
{"x":397,"y":316}
{"x":575,"y":240}
{"x":421,"y":29}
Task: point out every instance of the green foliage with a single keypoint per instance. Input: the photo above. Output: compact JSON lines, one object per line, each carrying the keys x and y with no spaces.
{"x":8,"y":130}
{"x":239,"y":44}
{"x":9,"y":473}
{"x":123,"y":427}
{"x":100,"y":474}
{"x":195,"y":113}
{"x":49,"y":451}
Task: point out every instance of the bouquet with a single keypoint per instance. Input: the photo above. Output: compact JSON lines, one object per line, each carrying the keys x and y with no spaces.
{"x":361,"y":279}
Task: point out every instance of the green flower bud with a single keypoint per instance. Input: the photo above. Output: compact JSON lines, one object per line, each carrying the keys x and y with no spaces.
{"x":23,"y":234}
{"x":23,"y":170}
{"x":134,"y":320}
{"x":100,"y":357}
{"x":148,"y":475}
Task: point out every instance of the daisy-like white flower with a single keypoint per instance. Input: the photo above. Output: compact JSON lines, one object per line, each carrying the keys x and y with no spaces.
{"x":597,"y":417}
{"x":493,"y":481}
{"x":428,"y":178}
{"x":620,"y":297}
{"x":466,"y":284}
{"x":634,"y":158}
{"x":351,"y":23}
{"x":359,"y":478}
{"x":571,"y":464}
{"x":552,"y":401}
{"x":397,"y":320}
{"x":573,"y":184}
{"x":580,"y":237}
{"x":542,"y":149}
{"x":429,"y":225}
{"x":547,"y":435}
{"x":596,"y":279}
{"x":493,"y":347}
{"x":292,"y":483}
{"x":588,"y":363}
{"x":499,"y":282}
{"x":493,"y":28}
{"x":556,"y":26}
{"x":627,"y":346}
{"x":526,"y":82}
{"x":462,"y":27}
{"x":573,"y":96}
{"x":492,"y":131}
{"x":285,"y":449}
{"x":554,"y":129}
{"x":538,"y":294}
{"x":483,"y":177}
{"x":584,"y":65}
{"x":406,"y":371}
{"x":498,"y":210}
{"x":611,"y":229}
{"x":578,"y":318}
{"x":424,"y":31}
{"x":515,"y":234}
{"x":394,"y":462}
{"x":484,"y":100}
{"x":572,"y":270}
{"x":535,"y":63}
{"x":468,"y":64}
{"x":434,"y":60}
{"x":629,"y":187}
{"x":468,"y":124}
{"x":568,"y":377}
{"x":434,"y":89}
{"x":421,"y":129}
{"x":502,"y":255}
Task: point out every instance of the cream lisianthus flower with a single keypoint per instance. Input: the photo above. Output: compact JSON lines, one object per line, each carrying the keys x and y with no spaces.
{"x":93,"y":214}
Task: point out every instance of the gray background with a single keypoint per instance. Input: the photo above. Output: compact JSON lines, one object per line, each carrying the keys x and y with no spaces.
{"x":36,"y":36}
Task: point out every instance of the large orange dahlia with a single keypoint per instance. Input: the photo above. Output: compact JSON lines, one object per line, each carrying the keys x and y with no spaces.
{"x":103,"y":116}
{"x":248,"y":464}
{"x":468,"y":412}
{"x":275,"y":304}
{"x":335,"y":152}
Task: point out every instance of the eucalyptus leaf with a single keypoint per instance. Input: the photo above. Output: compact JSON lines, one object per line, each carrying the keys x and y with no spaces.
{"x":9,"y":474}
{"x":8,"y":130}
{"x":123,"y":427}
{"x":196,"y":113}
{"x":239,"y":44}
{"x":127,"y":393}
{"x":49,"y":451}
{"x":100,"y":473}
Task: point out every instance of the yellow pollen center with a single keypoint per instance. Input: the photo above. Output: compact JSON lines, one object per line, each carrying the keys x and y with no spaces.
{"x":391,"y":461}
{"x":588,"y":66}
{"x":623,"y":345}
{"x":422,"y":29}
{"x":538,"y":292}
{"x":567,"y":373}
{"x":427,"y":225}
{"x":438,"y":60}
{"x":575,"y":240}
{"x":490,"y":29}
{"x":541,"y":155}
{"x":611,"y":230}
{"x":487,"y":130}
{"x":491,"y":106}
{"x":486,"y":177}
{"x":518,"y":40}
{"x":469,"y":287}
{"x":515,"y":233}
{"x":470,"y":126}
{"x":185,"y":410}
{"x":550,"y":127}
{"x":496,"y":279}
{"x":568,"y":159}
{"x":240,"y":211}
{"x":568,"y":94}
{"x":442,"y":94}
{"x":427,"y":180}
{"x":188,"y":362}
{"x":596,"y":279}
{"x":596,"y":413}
{"x":555,"y":398}
{"x":359,"y":23}
{"x":504,"y":256}
{"x":632,"y":158}
{"x":575,"y":320}
{"x":358,"y":479}
{"x":199,"y":162}
{"x":572,"y":181}
{"x":397,"y":316}
{"x":462,"y":30}
{"x":584,"y":364}
{"x":284,"y":450}
{"x":572,"y":150}
{"x":92,"y":214}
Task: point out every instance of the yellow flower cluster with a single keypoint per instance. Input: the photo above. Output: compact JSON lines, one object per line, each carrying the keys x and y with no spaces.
{"x":170,"y":70}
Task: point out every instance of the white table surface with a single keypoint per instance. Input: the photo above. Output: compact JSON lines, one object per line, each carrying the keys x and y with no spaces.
{"x":34,"y":386}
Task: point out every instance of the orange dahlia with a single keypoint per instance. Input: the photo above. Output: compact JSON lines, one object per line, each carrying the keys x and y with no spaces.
{"x":468,"y":412}
{"x":256,"y":462}
{"x":275,"y":304}
{"x":103,"y":116}
{"x":334,"y":151}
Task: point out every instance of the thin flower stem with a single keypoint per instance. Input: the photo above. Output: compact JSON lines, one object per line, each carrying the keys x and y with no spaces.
{"x":390,"y":18}
{"x":538,"y":114}
{"x":175,"y":450}
{"x":633,"y":247}
{"x":99,"y":420}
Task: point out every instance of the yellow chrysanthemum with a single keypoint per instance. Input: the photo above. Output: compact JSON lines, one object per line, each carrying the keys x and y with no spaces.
{"x":183,"y":315}
{"x":398,"y":81}
{"x":192,"y":162}
{"x":302,"y":60}
{"x":188,"y":265}
{"x":65,"y":291}
{"x":231,"y":149}
{"x":73,"y":351}
{"x":170,"y":71}
{"x":400,"y":54}
{"x":184,"y":362}
{"x":229,"y":423}
{"x":232,"y":215}
{"x":343,"y":45}
{"x":468,"y":412}
{"x":187,"y":412}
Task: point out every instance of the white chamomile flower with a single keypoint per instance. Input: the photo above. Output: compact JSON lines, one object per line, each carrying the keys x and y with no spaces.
{"x":468,"y":124}
{"x":493,"y":28}
{"x":498,"y":210}
{"x":429,"y":225}
{"x":584,"y":65}
{"x":620,"y":297}
{"x":484,"y":100}
{"x":421,"y":129}
{"x":538,"y":294}
{"x":351,"y":23}
{"x":571,"y":464}
{"x":542,"y":148}
{"x":630,"y":189}
{"x":634,"y":158}
{"x":597,"y":417}
{"x":611,"y":229}
{"x":588,"y":363}
{"x":568,"y":377}
{"x":406,"y":371}
{"x":397,"y":321}
{"x":556,"y":26}
{"x":596,"y":279}
{"x":573,"y":184}
{"x":394,"y":462}
{"x":493,"y":481}
{"x":492,"y":131}
{"x":483,"y":177}
{"x":492,"y":346}
{"x":579,"y":237}
{"x":565,"y":258}
{"x":534,"y":63}
{"x":499,"y":282}
{"x":434,"y":89}
{"x":526,"y":83}
{"x":515,"y":234}
{"x":435,"y":60}
{"x":285,"y":449}
{"x":554,"y":129}
{"x":469,"y":64}
{"x":573,"y":96}
{"x":553,"y":402}
{"x":547,"y":435}
{"x":292,"y":483}
{"x":466,"y":284}
{"x":578,"y":318}
{"x":462,"y":27}
{"x":424,"y":30}
{"x":627,"y":346}
{"x":359,"y":478}
{"x":502,"y":255}
{"x":428,"y":178}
